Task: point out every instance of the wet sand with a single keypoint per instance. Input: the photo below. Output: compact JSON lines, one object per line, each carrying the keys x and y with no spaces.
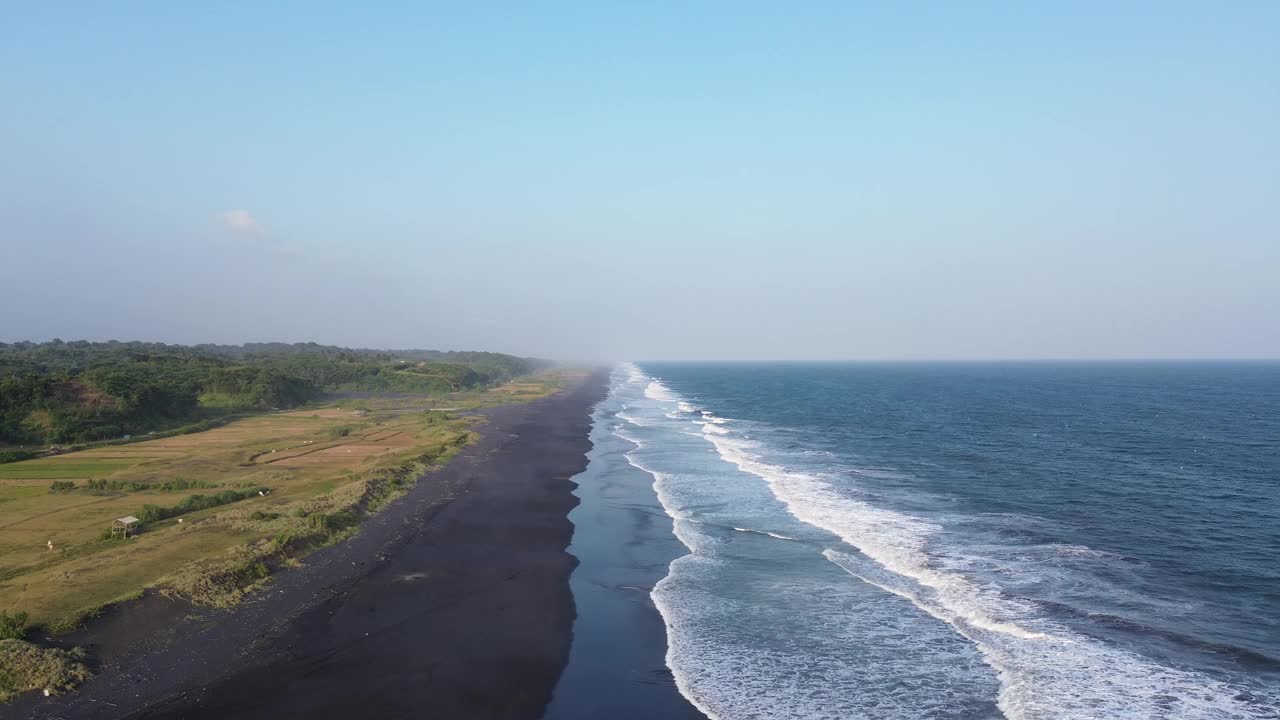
{"x":453,"y":602}
{"x":624,"y":543}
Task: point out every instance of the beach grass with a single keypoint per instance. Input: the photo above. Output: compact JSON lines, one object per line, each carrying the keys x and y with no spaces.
{"x":26,"y":667}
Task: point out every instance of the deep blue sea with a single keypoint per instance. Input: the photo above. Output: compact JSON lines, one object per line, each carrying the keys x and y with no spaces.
{"x":1015,"y":541}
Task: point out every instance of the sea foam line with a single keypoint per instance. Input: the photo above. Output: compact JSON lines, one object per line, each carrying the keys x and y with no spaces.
{"x":765,"y":532}
{"x":747,"y":686}
{"x":1042,"y":674}
{"x":894,"y":540}
{"x":678,"y":519}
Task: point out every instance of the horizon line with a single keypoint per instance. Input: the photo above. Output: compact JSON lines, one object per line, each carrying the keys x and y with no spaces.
{"x":959,"y":361}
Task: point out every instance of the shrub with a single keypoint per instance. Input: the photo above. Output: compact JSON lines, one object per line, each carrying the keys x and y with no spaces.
{"x":340,"y":432}
{"x":13,"y":627}
{"x":255,"y":571}
{"x":434,"y":416}
{"x":8,"y":456}
{"x":25,"y":667}
{"x":179,"y":484}
{"x":194,"y":503}
{"x":135,"y":486}
{"x":61,"y":486}
{"x":288,"y":542}
{"x":335,"y":521}
{"x":259,"y":515}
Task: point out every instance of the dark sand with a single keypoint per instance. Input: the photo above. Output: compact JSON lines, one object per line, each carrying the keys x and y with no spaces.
{"x":453,"y":602}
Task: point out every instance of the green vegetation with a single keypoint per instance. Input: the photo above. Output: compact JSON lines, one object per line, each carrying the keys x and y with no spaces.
{"x":13,"y":627}
{"x":79,"y":392}
{"x":25,"y":667}
{"x":102,"y":486}
{"x":58,"y":560}
{"x":135,"y":486}
{"x":60,"y":468}
{"x":195,"y":503}
{"x":8,"y":456}
{"x":329,"y":467}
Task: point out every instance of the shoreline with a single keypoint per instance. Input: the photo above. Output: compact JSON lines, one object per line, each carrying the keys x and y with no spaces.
{"x":624,"y":542}
{"x":454,"y":597}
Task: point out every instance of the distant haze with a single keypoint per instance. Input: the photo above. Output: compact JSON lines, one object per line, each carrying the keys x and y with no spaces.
{"x":647,"y":180}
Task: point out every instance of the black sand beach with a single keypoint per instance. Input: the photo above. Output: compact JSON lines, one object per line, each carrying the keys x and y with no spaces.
{"x":453,"y":602}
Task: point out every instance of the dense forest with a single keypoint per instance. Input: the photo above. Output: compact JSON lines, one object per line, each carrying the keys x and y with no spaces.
{"x":70,"y":392}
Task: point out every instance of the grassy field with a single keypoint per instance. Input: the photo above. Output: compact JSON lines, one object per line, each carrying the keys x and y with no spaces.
{"x":64,"y":468}
{"x":321,"y":471}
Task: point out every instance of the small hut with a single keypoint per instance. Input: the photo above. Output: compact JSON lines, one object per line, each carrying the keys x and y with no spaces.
{"x":125,"y":526}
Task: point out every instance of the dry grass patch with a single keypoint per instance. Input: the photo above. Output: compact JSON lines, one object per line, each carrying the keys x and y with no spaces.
{"x":25,"y":667}
{"x":311,"y":473}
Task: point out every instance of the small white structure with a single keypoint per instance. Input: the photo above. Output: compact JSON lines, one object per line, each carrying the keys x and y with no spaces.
{"x":125,"y":526}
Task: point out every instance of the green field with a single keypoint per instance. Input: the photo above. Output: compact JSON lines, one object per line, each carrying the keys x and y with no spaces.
{"x":58,"y":468}
{"x":324,"y":468}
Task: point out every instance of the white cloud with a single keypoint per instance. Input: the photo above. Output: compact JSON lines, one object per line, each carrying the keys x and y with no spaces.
{"x":242,"y":222}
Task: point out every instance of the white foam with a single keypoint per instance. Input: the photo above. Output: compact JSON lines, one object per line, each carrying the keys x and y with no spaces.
{"x":765,"y":532}
{"x":634,"y":375}
{"x":682,"y":524}
{"x":655,"y":390}
{"x":685,"y":407}
{"x":633,"y":419}
{"x":719,"y":663}
{"x":1065,"y":675}
{"x":1045,"y":671}
{"x":725,"y":672}
{"x":1070,"y":550}
{"x":894,"y":540}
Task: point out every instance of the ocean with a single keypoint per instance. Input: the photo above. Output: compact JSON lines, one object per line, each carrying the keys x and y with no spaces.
{"x":1020,"y":541}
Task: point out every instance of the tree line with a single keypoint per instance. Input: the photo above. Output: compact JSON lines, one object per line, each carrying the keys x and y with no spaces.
{"x":72,"y":392}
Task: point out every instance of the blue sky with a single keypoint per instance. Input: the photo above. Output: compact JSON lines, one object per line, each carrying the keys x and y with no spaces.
{"x":647,"y":180}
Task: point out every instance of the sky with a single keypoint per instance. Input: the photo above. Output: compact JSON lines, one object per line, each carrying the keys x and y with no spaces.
{"x":647,"y":180}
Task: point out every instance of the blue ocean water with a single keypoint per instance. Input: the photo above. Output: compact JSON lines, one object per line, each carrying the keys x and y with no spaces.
{"x":1015,"y":541}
